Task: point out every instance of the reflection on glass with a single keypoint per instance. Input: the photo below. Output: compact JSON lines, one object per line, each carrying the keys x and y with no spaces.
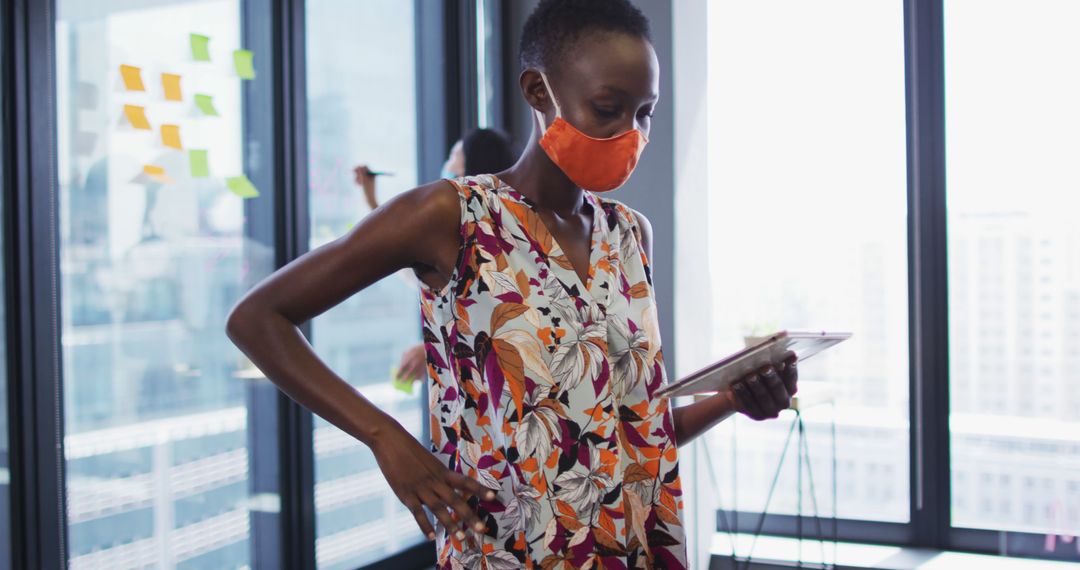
{"x":157,"y":401}
{"x":1014,"y":265}
{"x":807,"y":231}
{"x":361,"y":109}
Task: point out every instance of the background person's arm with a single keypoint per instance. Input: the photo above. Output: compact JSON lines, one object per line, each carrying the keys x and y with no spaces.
{"x":419,"y":229}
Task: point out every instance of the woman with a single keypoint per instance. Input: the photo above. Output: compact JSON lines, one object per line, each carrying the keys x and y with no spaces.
{"x":540,"y":327}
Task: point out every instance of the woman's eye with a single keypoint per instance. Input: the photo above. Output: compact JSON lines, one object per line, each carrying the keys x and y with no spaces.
{"x":607,"y":112}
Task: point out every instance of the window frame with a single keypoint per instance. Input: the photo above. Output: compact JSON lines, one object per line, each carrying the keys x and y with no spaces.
{"x":31,"y":266}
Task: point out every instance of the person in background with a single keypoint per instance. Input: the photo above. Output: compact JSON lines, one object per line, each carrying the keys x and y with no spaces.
{"x":548,"y":446}
{"x":482,"y":151}
{"x":479,"y":152}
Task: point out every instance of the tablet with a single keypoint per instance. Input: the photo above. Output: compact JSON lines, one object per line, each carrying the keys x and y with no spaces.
{"x":719,"y":375}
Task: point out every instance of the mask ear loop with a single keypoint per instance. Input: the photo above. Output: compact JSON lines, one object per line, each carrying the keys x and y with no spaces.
{"x":558,"y":111}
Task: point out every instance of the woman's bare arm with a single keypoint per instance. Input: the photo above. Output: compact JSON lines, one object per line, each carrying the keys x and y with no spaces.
{"x":418,"y":229}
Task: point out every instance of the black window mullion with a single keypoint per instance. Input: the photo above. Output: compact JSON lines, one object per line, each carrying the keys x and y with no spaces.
{"x":32,"y":277}
{"x":297,"y":450}
{"x":927,"y":271}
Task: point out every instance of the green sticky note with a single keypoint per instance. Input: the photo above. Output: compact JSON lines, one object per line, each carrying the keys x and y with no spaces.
{"x":200,"y":165}
{"x":241,"y":186}
{"x":244,"y":60}
{"x":200,"y":47}
{"x":400,"y":383}
{"x":205,"y":103}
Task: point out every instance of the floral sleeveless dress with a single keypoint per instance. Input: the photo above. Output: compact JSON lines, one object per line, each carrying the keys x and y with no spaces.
{"x":541,"y":387}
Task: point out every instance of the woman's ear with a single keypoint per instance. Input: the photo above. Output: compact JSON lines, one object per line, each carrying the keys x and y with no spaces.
{"x":534,"y":90}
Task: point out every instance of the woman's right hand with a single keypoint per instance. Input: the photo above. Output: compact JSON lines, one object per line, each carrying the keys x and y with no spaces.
{"x":420,"y":480}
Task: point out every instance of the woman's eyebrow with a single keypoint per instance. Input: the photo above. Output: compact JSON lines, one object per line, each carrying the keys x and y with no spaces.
{"x":652,"y":97}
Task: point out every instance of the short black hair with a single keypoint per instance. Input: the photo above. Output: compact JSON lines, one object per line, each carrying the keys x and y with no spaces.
{"x":486,"y":152}
{"x":555,"y":25}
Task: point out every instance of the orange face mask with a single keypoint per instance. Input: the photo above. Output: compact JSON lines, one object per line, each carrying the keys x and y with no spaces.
{"x":594,"y":164}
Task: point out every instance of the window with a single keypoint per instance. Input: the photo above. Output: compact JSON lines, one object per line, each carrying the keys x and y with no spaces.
{"x":166,"y":424}
{"x":361,"y":78}
{"x":1012,"y":121}
{"x":807,"y":230}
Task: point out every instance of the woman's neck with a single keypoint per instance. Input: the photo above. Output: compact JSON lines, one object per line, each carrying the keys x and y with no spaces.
{"x":540,"y":180}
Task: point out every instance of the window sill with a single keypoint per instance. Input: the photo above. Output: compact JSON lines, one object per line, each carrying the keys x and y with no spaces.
{"x":780,"y":552}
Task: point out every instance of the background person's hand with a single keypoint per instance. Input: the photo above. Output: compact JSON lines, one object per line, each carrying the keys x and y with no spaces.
{"x":762,"y":395}
{"x":420,"y":480}
{"x":413,"y":363}
{"x":366,"y":180}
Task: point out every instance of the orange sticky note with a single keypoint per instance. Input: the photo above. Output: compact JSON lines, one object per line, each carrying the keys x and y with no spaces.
{"x":136,"y":115}
{"x":170,"y":136}
{"x":156,"y":173}
{"x":132,"y":78}
{"x":171,"y":83}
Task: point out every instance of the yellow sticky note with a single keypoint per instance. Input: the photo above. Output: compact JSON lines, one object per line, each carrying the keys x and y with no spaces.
{"x":171,"y":83}
{"x":136,"y":115}
{"x":241,"y":186}
{"x":156,"y":173}
{"x":132,"y":78}
{"x":170,"y":136}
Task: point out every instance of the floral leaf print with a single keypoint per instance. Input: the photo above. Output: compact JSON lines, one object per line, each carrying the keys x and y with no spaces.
{"x":579,"y":536}
{"x":632,"y":362}
{"x":493,"y":560}
{"x":531,"y":352}
{"x":628,"y":243}
{"x":523,"y":283}
{"x":640,"y":290}
{"x":637,"y":515}
{"x":634,"y":473}
{"x":582,"y":357}
{"x":558,"y":297}
{"x":504,"y":313}
{"x":581,"y":488}
{"x":650,"y":325}
{"x":513,"y":370}
{"x":538,"y":425}
{"x":523,"y":509}
{"x":497,"y":281}
{"x":550,"y":532}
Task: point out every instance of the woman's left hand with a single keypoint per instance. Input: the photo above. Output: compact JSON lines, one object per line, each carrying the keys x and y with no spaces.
{"x":762,"y":395}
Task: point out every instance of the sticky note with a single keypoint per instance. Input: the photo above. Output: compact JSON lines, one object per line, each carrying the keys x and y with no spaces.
{"x":241,"y":186}
{"x":136,"y":115}
{"x":205,"y":103}
{"x":132,"y":78}
{"x":244,"y":62}
{"x":200,"y":47}
{"x":156,"y":173}
{"x":171,"y":83}
{"x":200,"y":164}
{"x":400,"y":383}
{"x":170,"y":136}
